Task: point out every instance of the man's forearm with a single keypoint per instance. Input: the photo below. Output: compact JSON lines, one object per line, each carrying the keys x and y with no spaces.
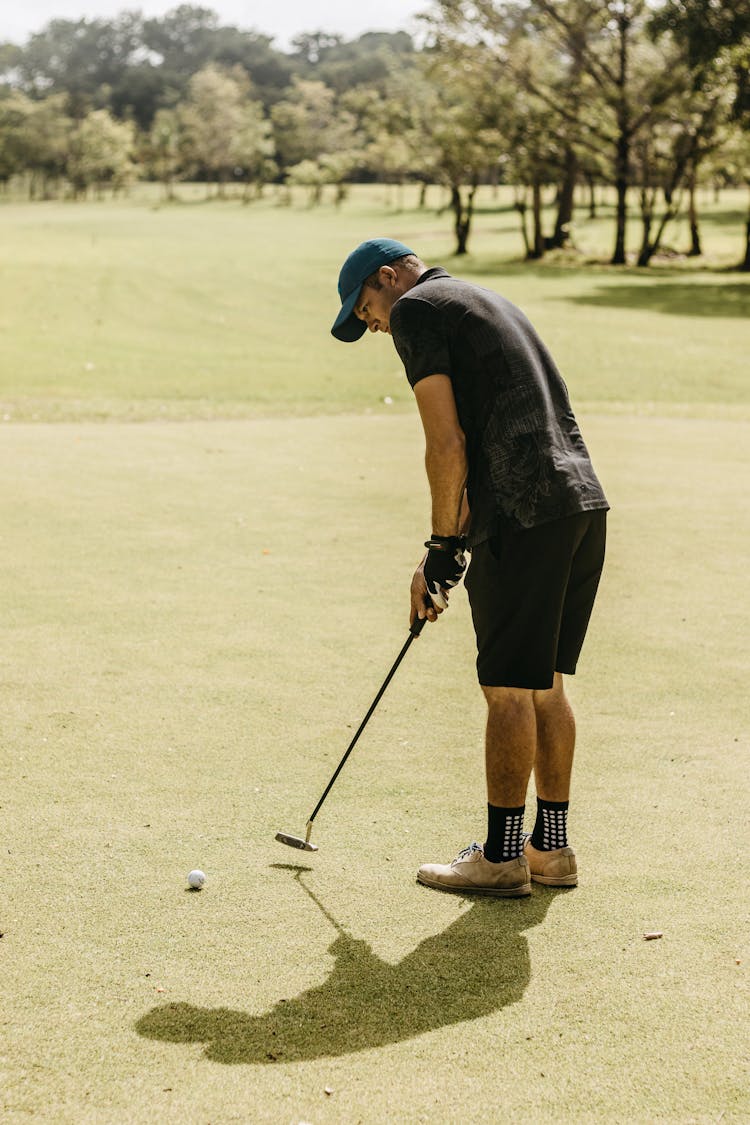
{"x":446,"y":472}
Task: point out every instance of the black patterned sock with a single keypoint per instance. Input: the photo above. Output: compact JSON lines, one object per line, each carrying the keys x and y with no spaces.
{"x":551,"y":826}
{"x":504,"y":828}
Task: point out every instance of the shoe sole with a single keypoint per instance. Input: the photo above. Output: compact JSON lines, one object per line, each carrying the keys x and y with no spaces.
{"x":491,"y":892}
{"x":555,"y":880}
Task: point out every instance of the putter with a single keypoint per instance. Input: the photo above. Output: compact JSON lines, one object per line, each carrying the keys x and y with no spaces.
{"x":304,"y":844}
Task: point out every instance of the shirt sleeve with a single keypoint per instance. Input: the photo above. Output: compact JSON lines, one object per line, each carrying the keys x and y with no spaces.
{"x":420,"y":337}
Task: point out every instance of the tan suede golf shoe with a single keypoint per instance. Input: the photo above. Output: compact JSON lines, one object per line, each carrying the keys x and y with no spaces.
{"x":472,"y":874}
{"x":557,"y":868}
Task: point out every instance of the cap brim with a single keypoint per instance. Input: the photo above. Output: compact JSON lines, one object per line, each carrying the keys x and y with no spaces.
{"x":347,"y":326}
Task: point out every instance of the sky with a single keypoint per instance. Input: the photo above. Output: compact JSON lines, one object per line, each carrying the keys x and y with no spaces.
{"x":281,"y":19}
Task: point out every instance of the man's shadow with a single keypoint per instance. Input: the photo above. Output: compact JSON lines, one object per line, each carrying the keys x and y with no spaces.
{"x":476,"y":966}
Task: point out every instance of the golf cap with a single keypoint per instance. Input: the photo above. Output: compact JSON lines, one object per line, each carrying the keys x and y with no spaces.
{"x":368,"y":257}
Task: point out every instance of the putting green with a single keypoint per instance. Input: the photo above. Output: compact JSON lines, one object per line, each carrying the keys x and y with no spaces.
{"x":192,"y":631}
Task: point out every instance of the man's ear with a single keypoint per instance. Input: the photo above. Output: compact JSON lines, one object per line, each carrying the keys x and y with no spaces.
{"x":388,"y":276}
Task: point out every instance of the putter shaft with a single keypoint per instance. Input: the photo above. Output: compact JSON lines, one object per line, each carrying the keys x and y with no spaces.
{"x":305,"y":845}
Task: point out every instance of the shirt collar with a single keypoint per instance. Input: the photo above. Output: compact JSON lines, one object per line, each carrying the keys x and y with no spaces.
{"x":430,"y":274}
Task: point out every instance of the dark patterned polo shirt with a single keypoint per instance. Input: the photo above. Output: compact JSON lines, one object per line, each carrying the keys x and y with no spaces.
{"x":528,"y":463}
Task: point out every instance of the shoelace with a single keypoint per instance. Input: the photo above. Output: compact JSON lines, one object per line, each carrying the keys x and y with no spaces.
{"x":475,"y":847}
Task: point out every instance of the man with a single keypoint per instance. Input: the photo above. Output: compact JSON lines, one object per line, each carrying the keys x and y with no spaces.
{"x":510,"y":477}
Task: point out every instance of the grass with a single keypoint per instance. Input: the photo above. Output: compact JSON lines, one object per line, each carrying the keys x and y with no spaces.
{"x":131,"y":310}
{"x":190,"y":639}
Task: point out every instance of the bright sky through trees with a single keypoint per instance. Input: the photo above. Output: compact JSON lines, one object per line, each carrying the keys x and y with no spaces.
{"x":282,"y":19}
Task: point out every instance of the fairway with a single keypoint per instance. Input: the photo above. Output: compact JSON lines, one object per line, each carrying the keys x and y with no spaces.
{"x":132,"y":310}
{"x":191,"y":637}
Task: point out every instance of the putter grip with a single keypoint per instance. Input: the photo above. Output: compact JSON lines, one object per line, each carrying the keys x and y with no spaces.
{"x":417,"y":626}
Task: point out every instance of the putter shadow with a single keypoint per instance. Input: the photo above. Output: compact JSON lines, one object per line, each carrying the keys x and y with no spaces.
{"x":297,"y":868}
{"x":476,"y":966}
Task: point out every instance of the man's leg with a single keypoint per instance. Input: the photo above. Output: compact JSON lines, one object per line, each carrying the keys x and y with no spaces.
{"x":500,"y":867}
{"x":511,"y":743}
{"x":551,"y":860}
{"x":510,"y":747}
{"x":555,"y":742}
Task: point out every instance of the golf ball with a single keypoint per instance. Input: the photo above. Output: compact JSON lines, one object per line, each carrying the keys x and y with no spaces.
{"x":196,"y":879}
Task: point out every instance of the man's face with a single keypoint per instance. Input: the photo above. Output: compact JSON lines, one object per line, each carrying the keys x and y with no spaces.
{"x":373,"y":306}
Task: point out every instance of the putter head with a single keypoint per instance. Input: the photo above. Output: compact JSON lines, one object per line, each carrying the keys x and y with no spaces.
{"x":296,"y":842}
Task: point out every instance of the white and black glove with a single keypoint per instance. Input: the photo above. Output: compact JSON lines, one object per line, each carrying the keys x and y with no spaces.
{"x":444,"y":566}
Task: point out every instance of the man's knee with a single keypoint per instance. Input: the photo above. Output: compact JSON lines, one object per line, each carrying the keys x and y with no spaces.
{"x":508,"y":699}
{"x":550,"y":697}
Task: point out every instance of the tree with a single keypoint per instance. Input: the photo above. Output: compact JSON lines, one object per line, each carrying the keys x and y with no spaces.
{"x":225,"y":132}
{"x":603,"y":90}
{"x":100,"y":152}
{"x":462,"y":127}
{"x":370,"y":60}
{"x":313,"y":46}
{"x":606,"y":37}
{"x":713,"y":33}
{"x":303,"y":122}
{"x":46,"y":143}
{"x":189,"y":37}
{"x":253,"y":147}
{"x":669,"y":157}
{"x":210,"y":119}
{"x":133,"y":66}
{"x":533,"y":160}
{"x":309,"y":174}
{"x":10,"y":59}
{"x":183,"y":39}
{"x":14,"y":113}
{"x":739,"y":154}
{"x":163,"y":149}
{"x":80,"y":57}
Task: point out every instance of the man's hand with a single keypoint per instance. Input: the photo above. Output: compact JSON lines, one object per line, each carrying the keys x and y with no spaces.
{"x":441,"y":569}
{"x":444,"y":565}
{"x":421,"y":606}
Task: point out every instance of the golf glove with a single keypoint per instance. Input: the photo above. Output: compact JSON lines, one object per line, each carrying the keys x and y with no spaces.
{"x":444,"y":566}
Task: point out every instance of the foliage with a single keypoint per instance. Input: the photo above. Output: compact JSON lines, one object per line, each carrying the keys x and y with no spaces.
{"x":100,"y":152}
{"x":543,"y":93}
{"x":225,"y":133}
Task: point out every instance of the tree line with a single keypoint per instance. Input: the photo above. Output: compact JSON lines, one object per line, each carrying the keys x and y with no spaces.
{"x":651,"y":97}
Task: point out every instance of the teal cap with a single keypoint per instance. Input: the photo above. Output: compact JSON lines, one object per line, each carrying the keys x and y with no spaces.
{"x":368,"y":257}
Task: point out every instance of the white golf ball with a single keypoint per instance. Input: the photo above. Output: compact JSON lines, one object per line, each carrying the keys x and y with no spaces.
{"x":196,"y":879}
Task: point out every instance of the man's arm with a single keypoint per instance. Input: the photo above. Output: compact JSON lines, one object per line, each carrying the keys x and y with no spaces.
{"x":445,"y":452}
{"x":445,"y":462}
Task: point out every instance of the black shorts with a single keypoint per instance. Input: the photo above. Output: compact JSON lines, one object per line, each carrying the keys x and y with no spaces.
{"x":531,"y":593}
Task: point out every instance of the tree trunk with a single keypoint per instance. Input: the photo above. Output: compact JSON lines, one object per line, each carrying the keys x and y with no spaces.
{"x":462,"y":214}
{"x":537,"y":251}
{"x":592,"y":197}
{"x":621,"y":186}
{"x":745,"y":265}
{"x":695,"y":250}
{"x":565,"y":200}
{"x":422,"y":196}
{"x":622,"y":159}
{"x":521,"y":206}
{"x":647,"y":249}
